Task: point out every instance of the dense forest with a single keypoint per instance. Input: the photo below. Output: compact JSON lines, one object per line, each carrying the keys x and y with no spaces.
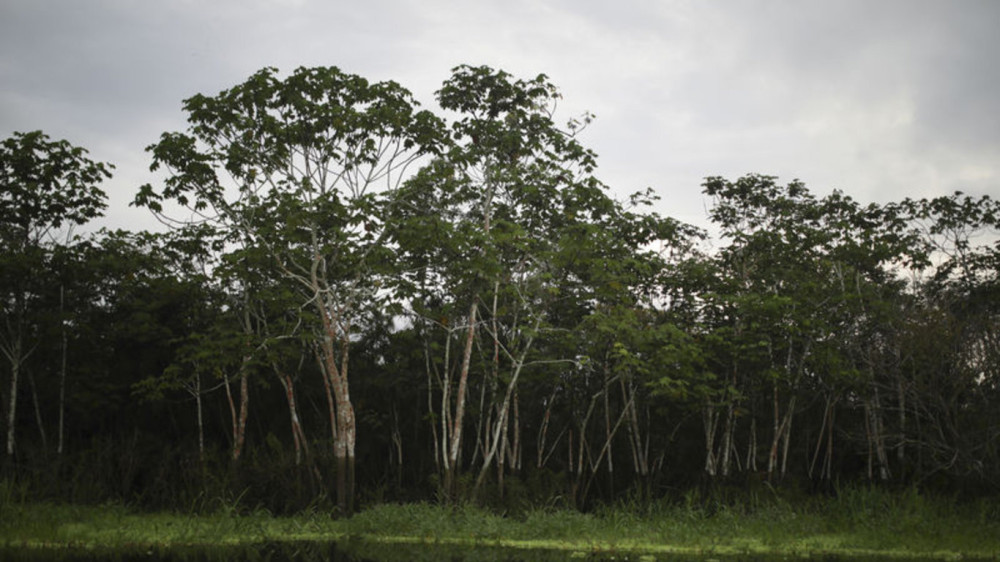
{"x":355,"y":300}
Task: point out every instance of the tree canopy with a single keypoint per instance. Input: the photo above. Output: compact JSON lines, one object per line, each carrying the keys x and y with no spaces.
{"x":364,"y":300}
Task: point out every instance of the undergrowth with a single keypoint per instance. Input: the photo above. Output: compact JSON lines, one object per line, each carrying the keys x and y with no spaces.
{"x":858,"y":519}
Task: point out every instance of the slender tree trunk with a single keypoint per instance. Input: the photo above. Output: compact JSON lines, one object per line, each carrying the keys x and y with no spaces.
{"x":239,"y":419}
{"x":501,"y":421}
{"x":543,"y":430}
{"x":782,"y":432}
{"x":298,"y":437}
{"x":822,"y":435}
{"x":38,"y":411}
{"x":331,"y":405}
{"x":640,"y":453}
{"x":901,"y":397}
{"x":451,"y":468}
{"x":828,"y":467}
{"x":15,"y":371}
{"x":751,"y":463}
{"x":578,"y":492}
{"x":608,"y":434}
{"x":62,"y":374}
{"x":710,"y":420}
{"x":726,"y":447}
{"x":788,"y":435}
{"x":438,"y":453}
{"x":515,"y":449}
{"x":877,"y":437}
{"x":244,"y":414}
{"x":772,"y":457}
{"x":595,"y":464}
{"x":201,"y":421}
{"x":232,"y":412}
{"x":397,"y":448}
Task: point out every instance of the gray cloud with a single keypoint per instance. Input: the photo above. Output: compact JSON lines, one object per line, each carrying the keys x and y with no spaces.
{"x":882,"y":99}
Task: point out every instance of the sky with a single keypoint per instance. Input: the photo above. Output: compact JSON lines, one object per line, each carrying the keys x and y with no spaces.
{"x":881,"y":99}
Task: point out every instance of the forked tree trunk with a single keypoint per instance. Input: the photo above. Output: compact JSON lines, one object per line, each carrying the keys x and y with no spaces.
{"x":239,"y":418}
{"x":825,"y":436}
{"x":542,"y":456}
{"x":298,"y":436}
{"x":331,"y":405}
{"x":346,"y":432}
{"x":639,"y":448}
{"x":499,"y":428}
{"x":782,"y":431}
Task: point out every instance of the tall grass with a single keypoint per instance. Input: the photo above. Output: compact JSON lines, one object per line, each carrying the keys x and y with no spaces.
{"x":857,"y":520}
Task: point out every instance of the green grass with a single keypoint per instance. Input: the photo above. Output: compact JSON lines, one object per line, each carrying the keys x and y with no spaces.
{"x":859,"y":522}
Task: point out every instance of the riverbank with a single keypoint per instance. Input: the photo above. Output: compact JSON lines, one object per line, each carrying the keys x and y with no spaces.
{"x":858,"y":522}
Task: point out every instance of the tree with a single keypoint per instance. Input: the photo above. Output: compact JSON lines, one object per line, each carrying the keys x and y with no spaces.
{"x":292,"y":168}
{"x":949,"y":347}
{"x":479,"y":227}
{"x":802,"y":305}
{"x":44,"y":185}
{"x":510,"y":242}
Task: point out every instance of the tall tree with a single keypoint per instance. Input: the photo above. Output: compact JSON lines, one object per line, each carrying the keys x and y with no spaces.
{"x":509,"y":240}
{"x":44,"y":185}
{"x":292,"y":167}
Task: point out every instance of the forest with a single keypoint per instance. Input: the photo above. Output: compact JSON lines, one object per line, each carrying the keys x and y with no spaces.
{"x":354,"y":300}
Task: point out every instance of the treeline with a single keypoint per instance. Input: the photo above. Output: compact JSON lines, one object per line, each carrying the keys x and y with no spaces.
{"x":358,"y":300}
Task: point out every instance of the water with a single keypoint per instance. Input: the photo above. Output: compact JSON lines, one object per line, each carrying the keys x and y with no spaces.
{"x":361,"y":552}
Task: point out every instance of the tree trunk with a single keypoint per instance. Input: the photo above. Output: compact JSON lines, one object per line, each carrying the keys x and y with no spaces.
{"x":876,"y":438}
{"x":726,"y":447}
{"x":331,"y":405}
{"x":751,"y":462}
{"x":239,"y":419}
{"x":62,"y":374}
{"x":788,"y":435}
{"x":710,"y":420}
{"x":501,"y":421}
{"x":345,"y":436}
{"x":298,"y":436}
{"x":244,"y":413}
{"x":15,"y":367}
{"x":782,"y":431}
{"x":541,"y":455}
{"x":38,"y":411}
{"x":201,"y":421}
{"x":608,"y":434}
{"x":455,"y":437}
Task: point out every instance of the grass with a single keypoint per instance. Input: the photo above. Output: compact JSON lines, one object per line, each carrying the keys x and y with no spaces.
{"x":859,"y":522}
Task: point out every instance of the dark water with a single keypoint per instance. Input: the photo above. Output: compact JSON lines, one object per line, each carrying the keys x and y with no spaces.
{"x":358,"y":552}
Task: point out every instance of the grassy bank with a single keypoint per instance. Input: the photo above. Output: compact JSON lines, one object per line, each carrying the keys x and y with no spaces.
{"x":860,"y":522}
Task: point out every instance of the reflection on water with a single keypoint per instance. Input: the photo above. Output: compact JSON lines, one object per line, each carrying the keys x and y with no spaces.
{"x":359,"y":552}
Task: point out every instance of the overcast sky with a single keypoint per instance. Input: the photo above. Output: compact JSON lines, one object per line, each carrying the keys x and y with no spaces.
{"x":883,"y":99}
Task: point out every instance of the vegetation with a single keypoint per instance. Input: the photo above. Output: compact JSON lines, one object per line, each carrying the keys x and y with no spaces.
{"x":859,"y":522}
{"x":360,"y":302}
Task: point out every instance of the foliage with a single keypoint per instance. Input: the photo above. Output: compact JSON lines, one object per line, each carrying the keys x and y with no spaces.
{"x":449,"y":304}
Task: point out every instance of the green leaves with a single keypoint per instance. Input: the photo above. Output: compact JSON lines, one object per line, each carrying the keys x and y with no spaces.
{"x":44,"y":184}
